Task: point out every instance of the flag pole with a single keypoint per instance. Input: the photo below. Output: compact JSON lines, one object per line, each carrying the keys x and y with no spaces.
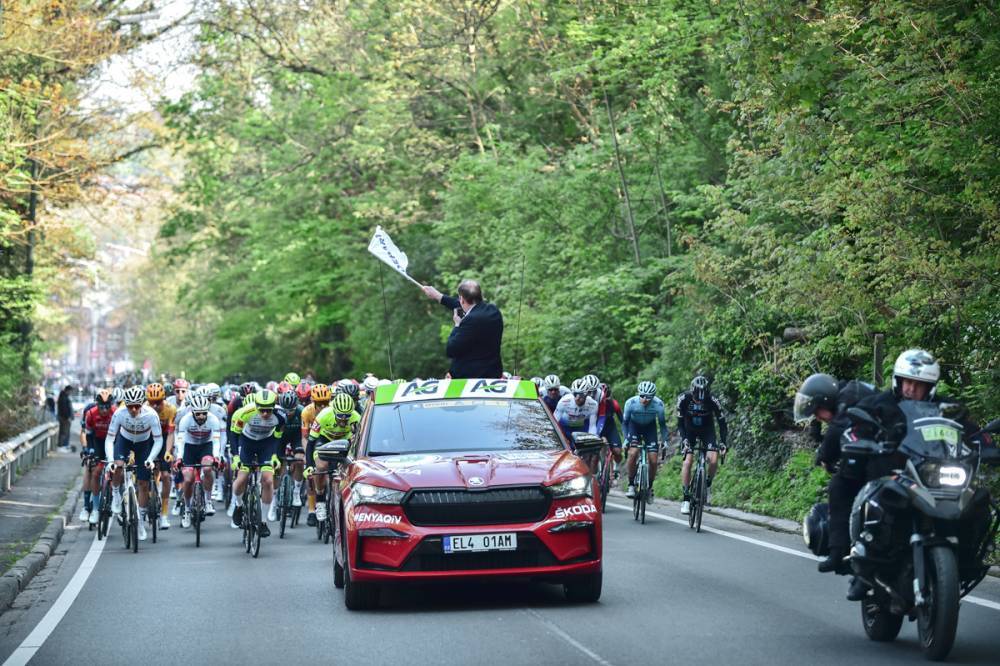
{"x":385,"y":309}
{"x":517,"y":336}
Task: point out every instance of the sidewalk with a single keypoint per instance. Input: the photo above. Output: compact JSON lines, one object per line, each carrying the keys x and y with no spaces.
{"x":35,"y":498}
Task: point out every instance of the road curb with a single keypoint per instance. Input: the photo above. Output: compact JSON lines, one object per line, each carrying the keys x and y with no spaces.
{"x":14,"y":581}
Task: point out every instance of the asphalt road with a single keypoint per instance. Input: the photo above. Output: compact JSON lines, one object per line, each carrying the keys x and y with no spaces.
{"x":670,"y":596}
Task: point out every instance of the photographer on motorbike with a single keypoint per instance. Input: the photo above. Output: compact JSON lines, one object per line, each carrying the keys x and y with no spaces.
{"x":824,"y":398}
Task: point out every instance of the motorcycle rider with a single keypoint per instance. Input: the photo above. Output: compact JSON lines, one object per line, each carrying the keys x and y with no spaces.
{"x":915,"y":376}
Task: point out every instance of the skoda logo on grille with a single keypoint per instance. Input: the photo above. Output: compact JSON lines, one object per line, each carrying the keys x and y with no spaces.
{"x":476,"y":481}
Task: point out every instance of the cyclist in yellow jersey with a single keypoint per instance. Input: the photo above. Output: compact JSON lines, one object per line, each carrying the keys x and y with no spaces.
{"x":155,"y":398}
{"x":321,"y":396}
{"x":338,"y":421}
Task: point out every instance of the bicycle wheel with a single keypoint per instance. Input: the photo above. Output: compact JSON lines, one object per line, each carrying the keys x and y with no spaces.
{"x":197,"y":510}
{"x":104,"y":511}
{"x":605,"y":481}
{"x":693,"y":502}
{"x":256,"y":520}
{"x":702,"y":492}
{"x":643,"y":492}
{"x":284,"y":503}
{"x":133,"y":520}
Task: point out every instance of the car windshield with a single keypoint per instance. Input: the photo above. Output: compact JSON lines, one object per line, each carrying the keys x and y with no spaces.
{"x":468,"y":425}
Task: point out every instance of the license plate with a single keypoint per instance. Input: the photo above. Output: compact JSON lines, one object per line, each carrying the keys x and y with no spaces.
{"x":478,"y":543}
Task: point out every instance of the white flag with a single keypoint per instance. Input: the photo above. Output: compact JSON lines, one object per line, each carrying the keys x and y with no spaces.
{"x":383,"y":248}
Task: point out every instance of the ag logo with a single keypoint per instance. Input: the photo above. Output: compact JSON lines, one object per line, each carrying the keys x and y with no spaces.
{"x":430,"y":388}
{"x":493,"y":388}
{"x":476,"y":481}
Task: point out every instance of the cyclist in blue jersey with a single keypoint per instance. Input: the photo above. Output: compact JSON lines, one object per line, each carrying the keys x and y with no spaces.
{"x":643,"y":412}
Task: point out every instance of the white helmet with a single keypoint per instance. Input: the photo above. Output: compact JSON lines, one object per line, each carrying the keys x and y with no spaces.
{"x":370,"y":383}
{"x":551,"y":382}
{"x":918,"y":365}
{"x":212,"y":390}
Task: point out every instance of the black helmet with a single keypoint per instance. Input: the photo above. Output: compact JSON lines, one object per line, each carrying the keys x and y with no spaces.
{"x":168,"y":388}
{"x":288,"y":399}
{"x":816,"y":529}
{"x":817,"y":390}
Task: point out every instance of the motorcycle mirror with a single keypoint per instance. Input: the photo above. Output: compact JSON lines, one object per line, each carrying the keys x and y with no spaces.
{"x":993,"y":426}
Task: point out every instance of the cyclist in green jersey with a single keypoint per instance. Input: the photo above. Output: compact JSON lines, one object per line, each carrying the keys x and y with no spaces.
{"x":338,"y":421}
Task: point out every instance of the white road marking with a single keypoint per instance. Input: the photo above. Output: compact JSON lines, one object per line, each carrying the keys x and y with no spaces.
{"x":30,"y":645}
{"x":39,"y":506}
{"x":978,"y":601}
{"x":554,"y":628}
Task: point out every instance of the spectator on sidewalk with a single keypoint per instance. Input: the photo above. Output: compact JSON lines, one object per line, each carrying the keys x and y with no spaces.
{"x":64,"y":410}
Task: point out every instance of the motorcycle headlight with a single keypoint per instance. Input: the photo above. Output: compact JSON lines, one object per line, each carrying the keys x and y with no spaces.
{"x":936,"y":475}
{"x":579,"y":486}
{"x":953,"y":476}
{"x":365,"y":493}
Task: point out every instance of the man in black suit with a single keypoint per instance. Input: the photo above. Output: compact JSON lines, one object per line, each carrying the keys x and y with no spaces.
{"x":474,"y":343}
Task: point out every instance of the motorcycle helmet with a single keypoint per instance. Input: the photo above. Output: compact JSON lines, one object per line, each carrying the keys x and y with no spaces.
{"x":818,"y":390}
{"x":918,"y":365}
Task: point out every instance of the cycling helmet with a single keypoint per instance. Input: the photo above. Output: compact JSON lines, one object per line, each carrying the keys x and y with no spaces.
{"x":134,"y":395}
{"x":117,"y":395}
{"x":248,"y":399}
{"x":212,"y":390}
{"x":818,"y":390}
{"x":592,"y":382}
{"x":168,"y":388}
{"x":265,"y":399}
{"x":646,"y":389}
{"x":283,"y":388}
{"x":350,"y":387}
{"x":198,"y":403}
{"x":579,"y":386}
{"x":246,"y":388}
{"x":292,"y":378}
{"x":155,"y":393}
{"x":699,"y":387}
{"x":551,"y":382}
{"x":288,"y":399}
{"x":918,"y":365}
{"x":537,"y":381}
{"x":506,"y":375}
{"x":181,"y":383}
{"x":342,"y":404}
{"x":103,"y":399}
{"x":303,"y":391}
{"x":271,"y":386}
{"x":606,"y":391}
{"x":371,"y":383}
{"x":320,"y":393}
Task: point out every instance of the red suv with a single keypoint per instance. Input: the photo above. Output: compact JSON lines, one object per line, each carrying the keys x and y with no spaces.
{"x":459,"y":479}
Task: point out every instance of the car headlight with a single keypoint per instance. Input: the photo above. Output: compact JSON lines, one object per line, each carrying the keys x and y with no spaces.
{"x":365,"y":493}
{"x":579,"y":486}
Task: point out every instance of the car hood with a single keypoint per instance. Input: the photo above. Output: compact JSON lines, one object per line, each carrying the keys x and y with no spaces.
{"x":474,"y":471}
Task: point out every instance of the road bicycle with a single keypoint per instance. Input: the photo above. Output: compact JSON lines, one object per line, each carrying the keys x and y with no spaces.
{"x":129,"y":517}
{"x":699,"y":485}
{"x":289,"y":513}
{"x":251,"y":512}
{"x":324,"y":528}
{"x":642,"y":483}
{"x":198,"y":502}
{"x":154,"y":504}
{"x":90,"y":462}
{"x":605,"y":473}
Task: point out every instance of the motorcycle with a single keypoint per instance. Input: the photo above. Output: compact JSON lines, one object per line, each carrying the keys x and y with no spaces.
{"x":922,"y":533}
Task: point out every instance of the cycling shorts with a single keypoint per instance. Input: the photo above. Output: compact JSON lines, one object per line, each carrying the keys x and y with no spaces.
{"x":194,"y":454}
{"x":610,"y":433}
{"x":97,"y":444}
{"x":643,"y":436}
{"x":258,"y":451}
{"x":707,"y":437}
{"x":141,"y":450}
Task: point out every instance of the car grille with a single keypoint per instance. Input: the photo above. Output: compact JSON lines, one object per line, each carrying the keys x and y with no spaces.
{"x":430,"y":556}
{"x":494,"y":506}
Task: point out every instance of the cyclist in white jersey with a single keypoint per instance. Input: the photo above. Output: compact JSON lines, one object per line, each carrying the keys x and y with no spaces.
{"x":576,"y":412}
{"x":135,"y":429}
{"x":199,"y":439}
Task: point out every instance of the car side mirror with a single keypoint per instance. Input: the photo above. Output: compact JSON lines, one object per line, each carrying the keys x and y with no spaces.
{"x":334,"y":452}
{"x":585,"y":443}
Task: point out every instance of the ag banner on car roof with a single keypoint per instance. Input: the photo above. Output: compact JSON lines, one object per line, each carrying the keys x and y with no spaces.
{"x":431,"y":389}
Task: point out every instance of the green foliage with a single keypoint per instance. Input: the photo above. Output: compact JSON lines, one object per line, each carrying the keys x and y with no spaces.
{"x":828,"y":167}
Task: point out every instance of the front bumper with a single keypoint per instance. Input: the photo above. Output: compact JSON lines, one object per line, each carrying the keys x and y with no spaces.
{"x":384,"y":546}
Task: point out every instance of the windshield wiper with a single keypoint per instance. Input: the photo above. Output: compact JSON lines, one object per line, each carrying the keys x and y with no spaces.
{"x":385,"y":453}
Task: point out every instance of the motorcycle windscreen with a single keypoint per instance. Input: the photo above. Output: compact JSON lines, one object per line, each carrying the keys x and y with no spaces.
{"x":929,"y":435}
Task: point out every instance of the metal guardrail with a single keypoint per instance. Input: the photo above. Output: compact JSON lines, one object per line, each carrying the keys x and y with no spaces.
{"x":25,"y":450}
